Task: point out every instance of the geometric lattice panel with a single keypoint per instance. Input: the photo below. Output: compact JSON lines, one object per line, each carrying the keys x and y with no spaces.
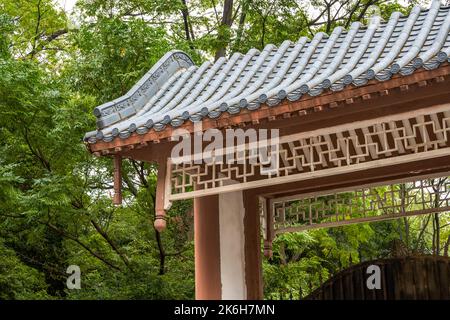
{"x":400,"y":138}
{"x":361,"y":205}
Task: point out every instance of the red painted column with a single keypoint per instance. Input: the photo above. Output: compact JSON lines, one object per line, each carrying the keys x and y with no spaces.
{"x":253,"y":260}
{"x":208,"y":278}
{"x":207,"y":248}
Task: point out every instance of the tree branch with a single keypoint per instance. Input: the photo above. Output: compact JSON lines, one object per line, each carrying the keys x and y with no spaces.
{"x":75,"y":239}
{"x":112,"y":244}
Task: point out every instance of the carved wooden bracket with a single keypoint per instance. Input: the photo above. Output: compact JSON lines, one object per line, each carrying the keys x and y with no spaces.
{"x":117,"y":180}
{"x":162,"y":192}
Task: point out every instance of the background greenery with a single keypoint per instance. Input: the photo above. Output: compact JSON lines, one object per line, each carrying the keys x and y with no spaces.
{"x":55,"y":198}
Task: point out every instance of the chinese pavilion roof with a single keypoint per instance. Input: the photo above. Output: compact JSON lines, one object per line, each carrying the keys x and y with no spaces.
{"x":175,"y":90}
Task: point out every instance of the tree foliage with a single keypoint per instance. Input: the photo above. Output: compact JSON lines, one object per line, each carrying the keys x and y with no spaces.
{"x":55,"y":198}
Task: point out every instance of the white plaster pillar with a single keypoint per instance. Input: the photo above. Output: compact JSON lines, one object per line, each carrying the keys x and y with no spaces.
{"x":232,"y":246}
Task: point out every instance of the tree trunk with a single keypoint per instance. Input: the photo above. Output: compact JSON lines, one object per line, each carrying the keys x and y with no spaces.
{"x":187,"y":27}
{"x":405,"y":220}
{"x":240,"y":29}
{"x":162,"y":254}
{"x":447,"y":244}
{"x":436,"y":222}
{"x":225,"y":24}
{"x":438,"y":238}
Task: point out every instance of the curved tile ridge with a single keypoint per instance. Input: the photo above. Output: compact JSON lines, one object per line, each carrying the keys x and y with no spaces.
{"x":357,"y":76}
{"x":265,"y":96}
{"x":249,"y":101}
{"x":333,"y":72}
{"x":299,"y":87}
{"x":165,"y":87}
{"x":419,"y":41}
{"x":226,"y":92}
{"x":225,"y":78}
{"x":244,"y":90}
{"x":354,"y":56}
{"x":197,"y":111}
{"x":381,"y":70}
{"x":172,"y":93}
{"x":143,"y":122}
{"x":337,"y":79}
{"x":221,"y":93}
{"x":431,"y":58}
{"x":127,"y":105}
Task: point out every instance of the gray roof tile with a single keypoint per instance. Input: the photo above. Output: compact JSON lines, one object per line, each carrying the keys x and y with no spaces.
{"x":175,"y":90}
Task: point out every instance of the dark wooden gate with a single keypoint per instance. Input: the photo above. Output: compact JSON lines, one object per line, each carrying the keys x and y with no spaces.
{"x":412,"y":277}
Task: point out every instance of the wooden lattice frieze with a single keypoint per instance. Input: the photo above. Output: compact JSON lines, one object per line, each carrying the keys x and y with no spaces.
{"x":352,"y":147}
{"x":363,"y":204}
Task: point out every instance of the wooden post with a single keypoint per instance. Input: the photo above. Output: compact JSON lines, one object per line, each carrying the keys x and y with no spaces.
{"x":117,"y":200}
{"x":253,"y":264}
{"x":268,"y":252}
{"x":207,"y":248}
{"x":227,"y":262}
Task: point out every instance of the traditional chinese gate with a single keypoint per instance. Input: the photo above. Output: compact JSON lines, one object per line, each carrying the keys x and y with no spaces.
{"x":356,"y":110}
